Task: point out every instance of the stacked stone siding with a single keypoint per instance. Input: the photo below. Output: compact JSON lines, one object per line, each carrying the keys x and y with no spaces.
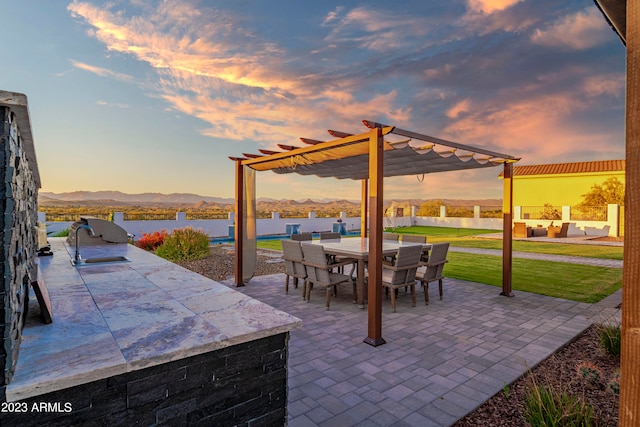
{"x":245,"y":385}
{"x":18,"y":240}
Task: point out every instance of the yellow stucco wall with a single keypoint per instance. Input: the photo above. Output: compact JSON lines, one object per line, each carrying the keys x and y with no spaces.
{"x":557,"y":190}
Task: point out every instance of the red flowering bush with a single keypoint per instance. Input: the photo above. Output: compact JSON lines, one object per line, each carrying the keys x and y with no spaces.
{"x":150,"y":241}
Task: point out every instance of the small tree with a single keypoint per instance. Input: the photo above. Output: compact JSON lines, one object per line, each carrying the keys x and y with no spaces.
{"x":431,"y":208}
{"x":550,"y":212}
{"x":609,"y":192}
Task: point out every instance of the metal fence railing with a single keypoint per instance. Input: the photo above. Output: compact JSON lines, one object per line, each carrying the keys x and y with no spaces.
{"x":433,"y":211}
{"x":491,"y":211}
{"x":206,"y":215}
{"x":589,"y":213}
{"x":541,"y":212}
{"x":460,"y":211}
{"x":51,"y":217}
{"x":295,"y":215}
{"x":150,"y":216}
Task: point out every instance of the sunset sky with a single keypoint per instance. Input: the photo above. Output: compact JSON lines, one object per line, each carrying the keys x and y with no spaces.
{"x":153,"y":96}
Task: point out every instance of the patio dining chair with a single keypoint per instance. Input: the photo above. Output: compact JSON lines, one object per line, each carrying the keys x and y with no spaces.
{"x":319,"y":272}
{"x":329,"y":236}
{"x":393,"y":237}
{"x":293,"y":265}
{"x":301,"y":237}
{"x":413,"y":238}
{"x":433,"y":269}
{"x":403,"y":273}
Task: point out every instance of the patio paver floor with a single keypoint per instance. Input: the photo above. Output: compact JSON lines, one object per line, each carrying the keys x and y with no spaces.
{"x":440,"y":361}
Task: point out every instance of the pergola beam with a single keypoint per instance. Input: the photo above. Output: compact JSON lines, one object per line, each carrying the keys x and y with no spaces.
{"x":629,"y":414}
{"x":507,"y":219}
{"x":439,"y":141}
{"x":239,"y":225}
{"x":376,"y":197}
{"x":364,"y":208}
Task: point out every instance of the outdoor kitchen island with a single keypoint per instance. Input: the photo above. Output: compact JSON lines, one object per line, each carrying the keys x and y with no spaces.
{"x":146,"y":342}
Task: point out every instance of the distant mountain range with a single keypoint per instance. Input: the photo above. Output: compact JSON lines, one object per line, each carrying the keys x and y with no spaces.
{"x":120,"y":198}
{"x":117,"y":198}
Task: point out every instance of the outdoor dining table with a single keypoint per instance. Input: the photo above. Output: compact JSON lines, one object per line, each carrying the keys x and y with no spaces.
{"x":358,"y":248}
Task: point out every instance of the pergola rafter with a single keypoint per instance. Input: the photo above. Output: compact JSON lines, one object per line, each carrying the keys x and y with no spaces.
{"x":369,"y":157}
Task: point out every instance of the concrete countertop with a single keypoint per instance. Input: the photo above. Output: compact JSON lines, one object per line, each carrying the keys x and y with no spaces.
{"x":109,"y":319}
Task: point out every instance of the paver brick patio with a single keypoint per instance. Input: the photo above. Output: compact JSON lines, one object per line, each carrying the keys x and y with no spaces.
{"x":440,"y":361}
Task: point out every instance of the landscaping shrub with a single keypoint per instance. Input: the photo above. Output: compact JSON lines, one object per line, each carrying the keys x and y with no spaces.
{"x":551,"y":407}
{"x":610,"y":338}
{"x":184,"y":244}
{"x":151,"y":241}
{"x":589,"y":372}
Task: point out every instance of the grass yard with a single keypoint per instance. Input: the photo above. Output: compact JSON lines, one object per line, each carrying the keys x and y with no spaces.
{"x":468,"y":238}
{"x":440,"y":231}
{"x":583,"y":283}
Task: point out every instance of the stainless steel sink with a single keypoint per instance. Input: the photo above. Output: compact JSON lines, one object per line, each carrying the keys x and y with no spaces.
{"x":101,"y":260}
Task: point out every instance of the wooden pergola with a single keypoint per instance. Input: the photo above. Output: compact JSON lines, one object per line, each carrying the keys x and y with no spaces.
{"x":624,"y":18}
{"x":369,"y":157}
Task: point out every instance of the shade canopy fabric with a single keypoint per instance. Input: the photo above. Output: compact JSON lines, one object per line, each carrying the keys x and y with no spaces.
{"x":348,"y":157}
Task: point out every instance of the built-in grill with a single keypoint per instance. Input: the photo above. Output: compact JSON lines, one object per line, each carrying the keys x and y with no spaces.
{"x":104,"y":232}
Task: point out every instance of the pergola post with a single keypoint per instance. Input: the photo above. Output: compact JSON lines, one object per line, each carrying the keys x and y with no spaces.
{"x":238,"y":231}
{"x":507,"y":219}
{"x":376,"y":157}
{"x":629,"y":414}
{"x":364,"y":219}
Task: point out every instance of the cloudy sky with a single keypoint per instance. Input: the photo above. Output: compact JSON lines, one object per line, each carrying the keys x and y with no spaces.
{"x":153,"y":96}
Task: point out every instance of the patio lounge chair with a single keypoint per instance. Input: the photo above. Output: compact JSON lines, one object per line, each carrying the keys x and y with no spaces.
{"x":555,"y":231}
{"x":403,"y":273}
{"x":432,"y":270}
{"x":521,"y":230}
{"x":293,"y":266}
{"x":319,"y":272}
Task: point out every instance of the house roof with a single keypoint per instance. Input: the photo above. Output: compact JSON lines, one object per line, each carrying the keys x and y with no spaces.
{"x":17,"y":103}
{"x":348,"y":156}
{"x":615,"y":12}
{"x":570,"y":168}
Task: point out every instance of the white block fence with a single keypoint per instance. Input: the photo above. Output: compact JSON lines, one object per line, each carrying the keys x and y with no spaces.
{"x":278,"y":225}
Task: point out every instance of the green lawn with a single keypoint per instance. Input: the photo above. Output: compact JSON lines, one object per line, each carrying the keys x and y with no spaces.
{"x":574,"y":282}
{"x":561,"y":280}
{"x":468,"y":238}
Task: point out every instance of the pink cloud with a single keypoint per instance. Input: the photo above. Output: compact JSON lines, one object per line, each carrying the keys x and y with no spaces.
{"x":458,"y":109}
{"x":582,"y":30}
{"x":537,"y":129}
{"x":103,"y":72}
{"x":490,"y":6}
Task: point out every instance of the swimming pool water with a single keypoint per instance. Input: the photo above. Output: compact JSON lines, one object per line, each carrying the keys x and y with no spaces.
{"x":219,"y":240}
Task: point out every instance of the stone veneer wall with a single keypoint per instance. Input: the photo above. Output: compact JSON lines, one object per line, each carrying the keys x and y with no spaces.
{"x":18,"y":240}
{"x":245,"y":384}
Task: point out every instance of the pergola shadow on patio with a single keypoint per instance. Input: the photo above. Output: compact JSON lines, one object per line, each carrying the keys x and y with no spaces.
{"x":440,"y":363}
{"x":381,"y":151}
